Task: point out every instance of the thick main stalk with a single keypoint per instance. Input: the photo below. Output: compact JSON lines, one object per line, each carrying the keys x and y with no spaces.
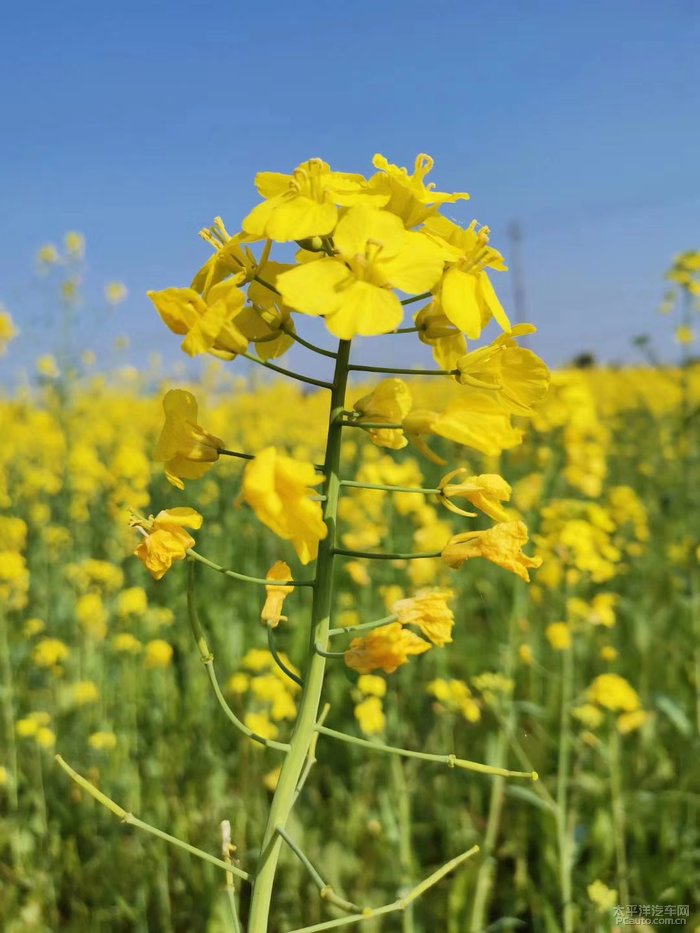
{"x":304,"y":728}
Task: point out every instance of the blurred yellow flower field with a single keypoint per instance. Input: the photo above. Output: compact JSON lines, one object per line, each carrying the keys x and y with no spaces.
{"x":567,"y":710}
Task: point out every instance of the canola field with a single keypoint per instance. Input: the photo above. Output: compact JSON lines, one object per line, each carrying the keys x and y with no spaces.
{"x":509,"y":682}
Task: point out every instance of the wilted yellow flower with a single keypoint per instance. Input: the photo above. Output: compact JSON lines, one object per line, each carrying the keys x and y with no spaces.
{"x":102,"y":741}
{"x":278,"y":490}
{"x":559,"y":636}
{"x":49,"y":651}
{"x":613,"y":692}
{"x":486,"y":492}
{"x":353,"y":290}
{"x":370,"y":716}
{"x":428,"y":611}
{"x":166,"y":540}
{"x":388,"y":403}
{"x":271,"y":613}
{"x":410,"y":198}
{"x":385,"y":648}
{"x":186,"y":449}
{"x":159,"y":653}
{"x":501,"y":545}
{"x":517,"y":377}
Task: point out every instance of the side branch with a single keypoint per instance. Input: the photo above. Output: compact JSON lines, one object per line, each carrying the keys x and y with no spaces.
{"x":370,"y":912}
{"x":132,"y":820}
{"x":325,"y":890}
{"x":418,"y":490}
{"x":450,"y":760}
{"x":242,"y":576}
{"x":405,"y":372}
{"x":208,"y":660}
{"x":309,"y":380}
{"x":345,"y":552}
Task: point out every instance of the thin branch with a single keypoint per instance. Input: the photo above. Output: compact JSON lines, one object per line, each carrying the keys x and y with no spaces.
{"x":410,"y":301}
{"x":208,"y":660}
{"x":325,"y":890}
{"x":328,"y":654}
{"x":370,"y":912}
{"x":346,"y":552}
{"x":311,"y":754}
{"x":132,"y":820}
{"x":309,"y":380}
{"x":242,"y":576}
{"x":450,"y":760}
{"x":363,"y":627}
{"x":415,"y":489}
{"x":278,"y":660}
{"x":405,"y":372}
{"x":234,"y":453}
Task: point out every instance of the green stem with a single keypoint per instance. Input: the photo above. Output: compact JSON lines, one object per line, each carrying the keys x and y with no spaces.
{"x":450,"y":760}
{"x":278,"y":660}
{"x":406,"y":860}
{"x":405,"y":372}
{"x":345,"y":552}
{"x":363,"y":627}
{"x":234,"y":453}
{"x":132,"y":820}
{"x":618,"y":816}
{"x":563,"y":767}
{"x":410,"y":301}
{"x":242,"y":576}
{"x":416,"y":489}
{"x":370,"y":912}
{"x":306,"y":723}
{"x":325,"y":890}
{"x":286,"y":372}
{"x":208,"y":661}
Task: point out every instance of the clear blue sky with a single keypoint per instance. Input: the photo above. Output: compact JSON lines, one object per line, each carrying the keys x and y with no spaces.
{"x":137,"y":122}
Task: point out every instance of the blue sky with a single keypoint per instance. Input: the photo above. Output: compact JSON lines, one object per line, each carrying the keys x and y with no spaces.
{"x":137,"y":123}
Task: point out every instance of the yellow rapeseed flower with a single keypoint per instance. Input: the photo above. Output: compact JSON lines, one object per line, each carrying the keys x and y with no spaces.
{"x":370,"y":716}
{"x":305,"y":204}
{"x":388,"y":403}
{"x":271,"y":613}
{"x":385,"y":648}
{"x":371,"y":685}
{"x":159,"y":653}
{"x":278,"y":490}
{"x":500,"y":544}
{"x":102,"y":741}
{"x":428,"y":611}
{"x":485,"y":491}
{"x":353,"y":290}
{"x":166,"y":540}
{"x":410,"y":198}
{"x":50,"y":651}
{"x":614,"y":693}
{"x":559,"y":636}
{"x":8,"y":331}
{"x":186,"y":449}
